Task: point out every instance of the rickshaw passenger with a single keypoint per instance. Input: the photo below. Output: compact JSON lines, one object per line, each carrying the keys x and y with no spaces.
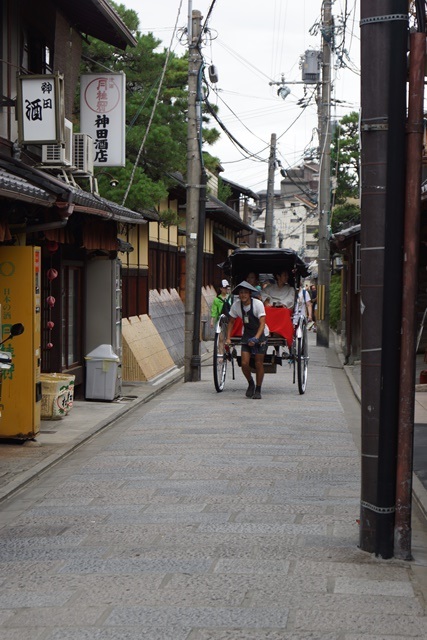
{"x":280,"y":294}
{"x":255,"y":333}
{"x":253,"y":279}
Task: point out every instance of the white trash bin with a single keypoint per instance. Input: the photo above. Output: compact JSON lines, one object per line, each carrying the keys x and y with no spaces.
{"x":102,"y":367}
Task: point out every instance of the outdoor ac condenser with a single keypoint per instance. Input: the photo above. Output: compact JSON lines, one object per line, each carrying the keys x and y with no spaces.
{"x":83,"y":153}
{"x":58,"y":155}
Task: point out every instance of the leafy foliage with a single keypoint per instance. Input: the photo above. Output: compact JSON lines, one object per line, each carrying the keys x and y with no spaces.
{"x":169,"y":217}
{"x":165,"y":148}
{"x":345,"y":157}
{"x":345,"y":215}
{"x":335,"y":301}
{"x":224,"y":191}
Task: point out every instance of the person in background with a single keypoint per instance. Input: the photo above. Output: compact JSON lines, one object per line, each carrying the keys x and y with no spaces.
{"x":218,"y":303}
{"x":303,"y":306}
{"x":313,"y":295}
{"x":280,"y":294}
{"x":253,"y":279}
{"x":254,"y":338}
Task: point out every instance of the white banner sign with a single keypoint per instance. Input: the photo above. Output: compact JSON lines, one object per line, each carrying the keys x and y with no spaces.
{"x":102,"y":116}
{"x":40,"y":109}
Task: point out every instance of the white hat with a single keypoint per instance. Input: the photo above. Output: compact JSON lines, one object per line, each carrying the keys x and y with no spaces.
{"x":225,"y":283}
{"x":244,"y":285}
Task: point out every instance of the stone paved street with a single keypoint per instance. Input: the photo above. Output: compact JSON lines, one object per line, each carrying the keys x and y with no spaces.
{"x":205,"y":516}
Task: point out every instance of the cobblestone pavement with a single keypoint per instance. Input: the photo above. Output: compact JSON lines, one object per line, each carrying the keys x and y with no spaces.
{"x":205,"y":516}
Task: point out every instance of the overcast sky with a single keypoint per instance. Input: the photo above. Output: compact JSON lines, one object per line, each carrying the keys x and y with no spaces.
{"x":252,"y":43}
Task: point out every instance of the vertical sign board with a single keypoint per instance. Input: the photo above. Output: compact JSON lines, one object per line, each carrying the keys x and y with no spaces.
{"x":40,"y":106}
{"x":102,"y":116}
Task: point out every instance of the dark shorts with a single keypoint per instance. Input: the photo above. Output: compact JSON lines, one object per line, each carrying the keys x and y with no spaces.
{"x":261,"y":348}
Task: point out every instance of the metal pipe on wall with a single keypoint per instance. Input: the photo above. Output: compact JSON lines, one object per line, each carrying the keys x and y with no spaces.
{"x":415,"y":132}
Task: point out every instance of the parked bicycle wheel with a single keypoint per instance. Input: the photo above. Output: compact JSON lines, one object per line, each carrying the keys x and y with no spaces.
{"x":302,"y":359}
{"x":220,"y":357}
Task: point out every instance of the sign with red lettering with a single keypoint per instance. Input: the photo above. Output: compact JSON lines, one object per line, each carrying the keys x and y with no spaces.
{"x":102,"y":116}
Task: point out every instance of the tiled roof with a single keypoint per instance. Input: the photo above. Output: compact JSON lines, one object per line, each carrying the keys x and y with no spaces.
{"x":23,"y":178}
{"x":14,"y":187}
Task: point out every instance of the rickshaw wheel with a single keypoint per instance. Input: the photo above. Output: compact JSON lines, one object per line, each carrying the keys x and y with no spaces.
{"x":220,"y":356}
{"x":302,"y":361}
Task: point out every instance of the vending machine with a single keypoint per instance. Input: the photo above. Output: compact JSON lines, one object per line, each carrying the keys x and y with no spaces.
{"x":20,"y":282}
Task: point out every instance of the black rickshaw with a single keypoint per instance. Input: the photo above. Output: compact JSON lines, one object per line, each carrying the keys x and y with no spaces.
{"x":288,"y":333}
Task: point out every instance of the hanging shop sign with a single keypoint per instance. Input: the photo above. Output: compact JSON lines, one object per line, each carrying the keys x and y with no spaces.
{"x":40,"y":106}
{"x":102,"y":116}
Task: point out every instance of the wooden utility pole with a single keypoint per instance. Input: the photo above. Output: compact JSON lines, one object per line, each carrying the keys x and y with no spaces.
{"x":324,"y":262}
{"x":191,"y":360}
{"x":269,"y":212}
{"x":384,"y":38}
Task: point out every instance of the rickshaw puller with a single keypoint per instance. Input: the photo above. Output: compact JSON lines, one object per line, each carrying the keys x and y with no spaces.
{"x":254,"y":338}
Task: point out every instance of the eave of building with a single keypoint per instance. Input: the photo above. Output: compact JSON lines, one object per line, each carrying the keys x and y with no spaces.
{"x":345,"y":237}
{"x":243,"y":190}
{"x":65,"y":195}
{"x":221,"y":212}
{"x":225,"y":241}
{"x":13,"y":187}
{"x":98,"y":19}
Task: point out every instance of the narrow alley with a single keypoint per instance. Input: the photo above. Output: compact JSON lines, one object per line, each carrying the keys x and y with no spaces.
{"x":205,"y":516}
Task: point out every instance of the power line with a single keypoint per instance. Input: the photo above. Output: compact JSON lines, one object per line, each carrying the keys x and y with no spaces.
{"x":131,"y":179}
{"x":230,"y":135}
{"x":204,"y":27}
{"x":237,"y":117}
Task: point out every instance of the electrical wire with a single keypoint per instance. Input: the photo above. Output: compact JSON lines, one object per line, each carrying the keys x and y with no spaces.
{"x":234,"y":140}
{"x":204,"y":27}
{"x":298,"y":116}
{"x":243,"y":60}
{"x":296,"y":184}
{"x":237,"y":118}
{"x":153,"y":110}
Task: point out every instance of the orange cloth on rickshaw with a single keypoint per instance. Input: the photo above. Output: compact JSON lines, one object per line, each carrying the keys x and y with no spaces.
{"x":279,"y":320}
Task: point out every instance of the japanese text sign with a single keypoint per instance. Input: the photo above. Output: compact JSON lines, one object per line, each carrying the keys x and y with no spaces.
{"x":40,"y":109}
{"x":102,"y":116}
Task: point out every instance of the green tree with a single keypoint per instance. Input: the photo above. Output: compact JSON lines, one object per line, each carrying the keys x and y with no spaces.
{"x":345,"y":157}
{"x":344,"y":216}
{"x":224,"y":190}
{"x":165,"y":147}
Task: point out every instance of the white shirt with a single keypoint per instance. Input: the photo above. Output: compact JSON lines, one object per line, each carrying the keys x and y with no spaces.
{"x":282,"y":295}
{"x":300,"y":309}
{"x":258,"y":310}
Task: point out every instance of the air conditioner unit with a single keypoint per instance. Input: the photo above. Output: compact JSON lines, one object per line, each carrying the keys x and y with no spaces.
{"x":83,"y":153}
{"x":59,"y":155}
